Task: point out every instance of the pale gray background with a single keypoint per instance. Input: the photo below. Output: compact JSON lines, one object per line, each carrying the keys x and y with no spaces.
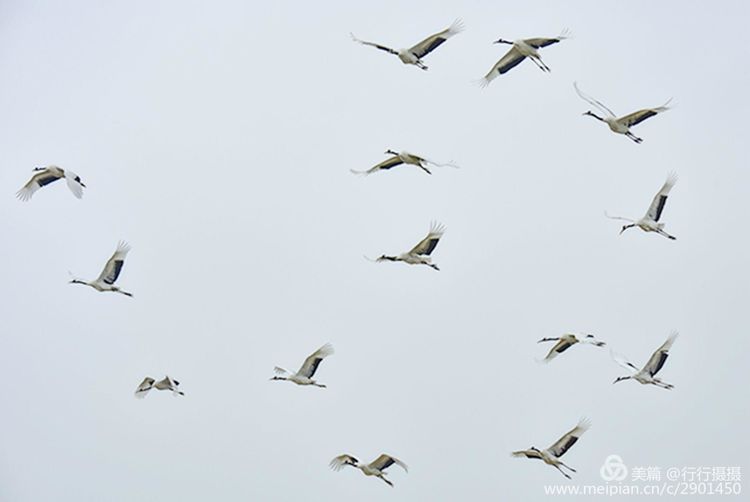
{"x":217,"y":138}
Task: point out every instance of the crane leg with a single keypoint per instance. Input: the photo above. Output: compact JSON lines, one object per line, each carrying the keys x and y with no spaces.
{"x":634,"y":137}
{"x":562,"y":472}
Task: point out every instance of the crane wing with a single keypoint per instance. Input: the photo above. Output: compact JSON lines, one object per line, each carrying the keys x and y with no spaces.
{"x":386,"y":164}
{"x":384,"y":461}
{"x":538,"y":43}
{"x":660,"y":199}
{"x":145,"y":386}
{"x":428,"y":244}
{"x":559,"y":348}
{"x":598,"y":104}
{"x":592,"y":340}
{"x":74,"y":184}
{"x":377,"y":46}
{"x":42,"y":178}
{"x":622,"y":361}
{"x":432,"y":42}
{"x":569,"y":439}
{"x":641,"y":115}
{"x":527,"y":454}
{"x":660,"y":356}
{"x":339,"y":462}
{"x":313,"y":360}
{"x":510,"y":60}
{"x":112,"y":268}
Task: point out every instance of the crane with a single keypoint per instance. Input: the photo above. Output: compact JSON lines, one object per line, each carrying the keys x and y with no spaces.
{"x":420,"y":254}
{"x":650,"y":221}
{"x":566,"y":341}
{"x":307,"y":370}
{"x":375,"y":468}
{"x":403,"y":157}
{"x":110,"y":273}
{"x":166,"y":383}
{"x":551,"y":456}
{"x":647,"y":374}
{"x":520,"y":50}
{"x":623,"y":124}
{"x":45,"y":175}
{"x":414,"y":54}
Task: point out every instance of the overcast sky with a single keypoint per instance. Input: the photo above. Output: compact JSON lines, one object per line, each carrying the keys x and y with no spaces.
{"x":217,"y":138}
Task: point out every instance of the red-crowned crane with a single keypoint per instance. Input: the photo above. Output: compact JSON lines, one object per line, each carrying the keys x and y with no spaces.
{"x":375,"y":468}
{"x":45,"y":175}
{"x":414,"y":55}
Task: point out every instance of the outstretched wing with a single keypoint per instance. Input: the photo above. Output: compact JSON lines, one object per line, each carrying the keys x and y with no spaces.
{"x":560,"y":347}
{"x":384,"y":461}
{"x":428,"y":244}
{"x":510,"y":60}
{"x":432,"y":42}
{"x":527,"y":454}
{"x":538,"y":43}
{"x":339,"y":462}
{"x":641,"y":115}
{"x":145,"y":386}
{"x":592,"y":340}
{"x":660,"y":356}
{"x":596,"y":103}
{"x":112,"y":269}
{"x":42,"y":178}
{"x":74,"y":183}
{"x":660,"y":199}
{"x":569,"y":439}
{"x":377,"y":46}
{"x":623,"y":361}
{"x":386,"y":164}
{"x":313,"y":360}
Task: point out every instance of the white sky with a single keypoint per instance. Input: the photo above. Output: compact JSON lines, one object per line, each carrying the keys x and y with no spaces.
{"x":217,"y":138}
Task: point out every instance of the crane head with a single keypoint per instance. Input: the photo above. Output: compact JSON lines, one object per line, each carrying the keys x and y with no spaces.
{"x":620,"y":379}
{"x":391,"y":152}
{"x":502,"y":41}
{"x":625,"y":227}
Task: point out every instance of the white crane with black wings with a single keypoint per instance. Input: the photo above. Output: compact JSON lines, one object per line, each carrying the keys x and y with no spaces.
{"x":307,"y":370}
{"x":43,"y":176}
{"x":620,"y":125}
{"x":566,"y":341}
{"x":375,"y":468}
{"x":165,"y":383}
{"x":413,"y":55}
{"x":551,"y":456}
{"x":647,"y":374}
{"x":110,"y":273}
{"x":650,"y":221}
{"x":420,"y":254}
{"x":403,"y":157}
{"x":520,"y":50}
